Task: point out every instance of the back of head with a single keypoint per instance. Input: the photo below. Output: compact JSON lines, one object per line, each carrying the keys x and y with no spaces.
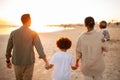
{"x":25,"y":18}
{"x":103,"y":24}
{"x":64,"y":43}
{"x":89,"y":22}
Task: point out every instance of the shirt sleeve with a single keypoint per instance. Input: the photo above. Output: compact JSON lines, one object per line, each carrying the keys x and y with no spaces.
{"x":72,"y":61}
{"x":39,"y":47}
{"x":78,"y":49}
{"x":9,"y":46}
{"x":53,"y":59}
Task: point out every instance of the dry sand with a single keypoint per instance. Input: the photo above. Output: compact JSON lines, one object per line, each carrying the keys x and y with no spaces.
{"x":112,"y":58}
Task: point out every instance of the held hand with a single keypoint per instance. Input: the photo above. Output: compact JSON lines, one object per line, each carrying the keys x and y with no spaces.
{"x":73,"y":67}
{"x":9,"y":65}
{"x":77,"y":65}
{"x":47,"y":66}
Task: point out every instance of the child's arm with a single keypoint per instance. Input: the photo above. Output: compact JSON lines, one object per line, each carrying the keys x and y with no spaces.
{"x":76,"y":65}
{"x":49,"y":66}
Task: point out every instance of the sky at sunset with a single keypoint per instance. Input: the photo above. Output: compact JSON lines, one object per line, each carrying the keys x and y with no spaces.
{"x":59,"y":11}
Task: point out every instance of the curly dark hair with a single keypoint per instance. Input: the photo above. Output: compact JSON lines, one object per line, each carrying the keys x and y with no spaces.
{"x":63,"y":43}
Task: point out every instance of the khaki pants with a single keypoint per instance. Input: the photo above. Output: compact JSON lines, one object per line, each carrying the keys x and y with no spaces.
{"x":24,"y":72}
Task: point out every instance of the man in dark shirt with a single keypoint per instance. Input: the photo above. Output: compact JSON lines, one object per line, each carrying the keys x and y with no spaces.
{"x":21,"y":43}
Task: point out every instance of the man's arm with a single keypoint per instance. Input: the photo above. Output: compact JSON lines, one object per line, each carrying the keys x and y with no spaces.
{"x":49,"y":66}
{"x":39,"y":48}
{"x":46,"y":61}
{"x":8,"y":51}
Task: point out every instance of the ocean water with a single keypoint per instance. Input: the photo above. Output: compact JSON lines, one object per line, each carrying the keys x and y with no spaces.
{"x":6,"y":29}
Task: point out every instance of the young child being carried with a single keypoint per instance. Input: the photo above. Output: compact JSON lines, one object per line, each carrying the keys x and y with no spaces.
{"x":103,"y":27}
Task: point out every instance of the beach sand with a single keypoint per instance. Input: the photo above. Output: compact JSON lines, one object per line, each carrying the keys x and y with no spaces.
{"x":112,"y":57}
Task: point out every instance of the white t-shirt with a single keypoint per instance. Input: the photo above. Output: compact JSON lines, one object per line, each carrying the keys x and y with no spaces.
{"x":62,"y":62}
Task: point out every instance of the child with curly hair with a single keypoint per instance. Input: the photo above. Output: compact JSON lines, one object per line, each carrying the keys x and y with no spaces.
{"x":62,"y":61}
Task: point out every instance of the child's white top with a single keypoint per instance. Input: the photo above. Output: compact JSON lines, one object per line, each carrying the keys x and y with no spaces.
{"x":62,"y":62}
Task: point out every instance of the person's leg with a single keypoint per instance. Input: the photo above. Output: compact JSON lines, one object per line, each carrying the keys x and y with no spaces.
{"x":19,"y":72}
{"x":28,"y":72}
{"x":98,"y":77}
{"x":87,"y":78}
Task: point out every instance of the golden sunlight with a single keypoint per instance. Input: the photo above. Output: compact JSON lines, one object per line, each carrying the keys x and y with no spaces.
{"x":49,"y":12}
{"x":44,"y":28}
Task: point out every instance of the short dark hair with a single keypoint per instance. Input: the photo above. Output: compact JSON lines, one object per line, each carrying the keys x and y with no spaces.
{"x":89,"y":21}
{"x":25,"y":18}
{"x":103,"y":24}
{"x":63,"y":43}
